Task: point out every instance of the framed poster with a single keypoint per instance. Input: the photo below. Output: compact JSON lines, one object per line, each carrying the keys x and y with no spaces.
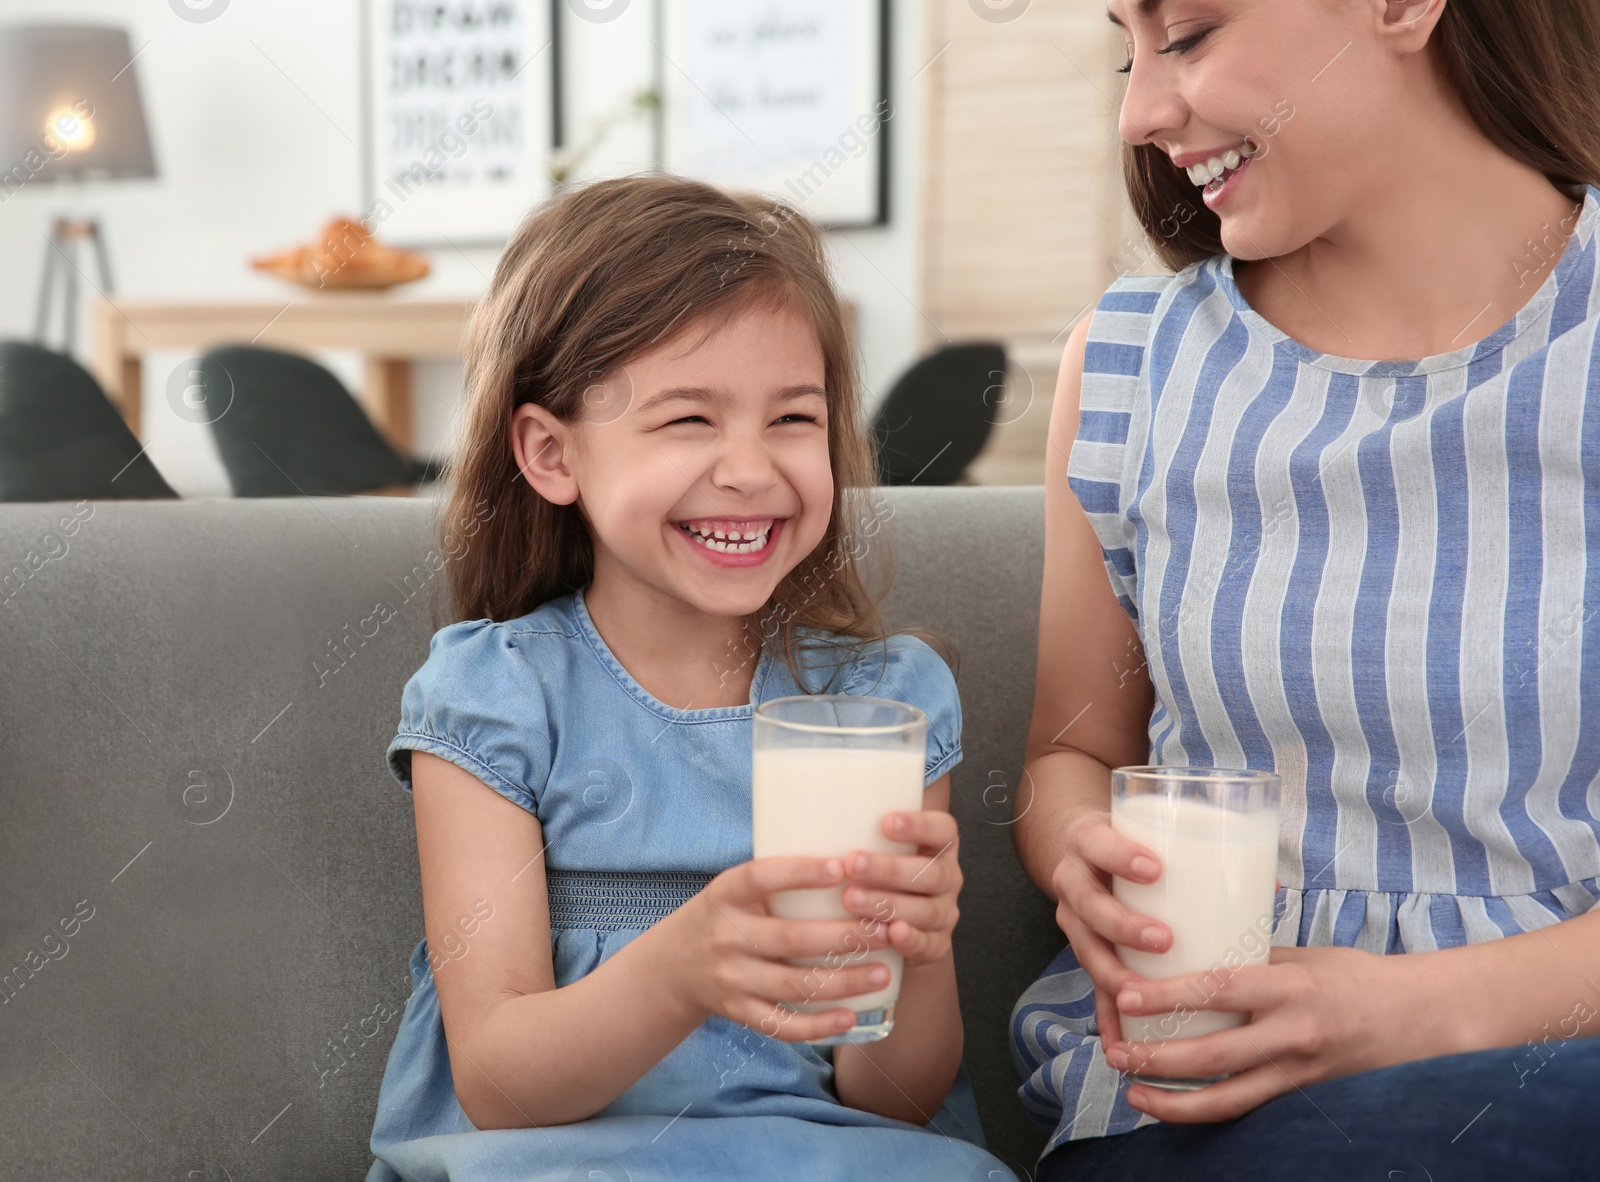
{"x":787,"y":97}
{"x":457,"y":117}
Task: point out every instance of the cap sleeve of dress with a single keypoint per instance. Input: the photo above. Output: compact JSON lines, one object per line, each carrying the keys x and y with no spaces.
{"x":473,"y":703}
{"x":916,"y":675}
{"x":1104,"y":462}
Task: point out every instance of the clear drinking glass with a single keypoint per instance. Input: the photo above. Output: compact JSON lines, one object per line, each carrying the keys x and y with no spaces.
{"x":1216,"y":833}
{"x":825,"y":770}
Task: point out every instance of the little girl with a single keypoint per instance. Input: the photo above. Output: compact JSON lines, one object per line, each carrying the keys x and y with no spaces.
{"x":665,"y":418}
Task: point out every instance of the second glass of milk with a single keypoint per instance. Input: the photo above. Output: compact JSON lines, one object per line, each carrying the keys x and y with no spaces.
{"x":825,"y":770}
{"x":1216,"y":833}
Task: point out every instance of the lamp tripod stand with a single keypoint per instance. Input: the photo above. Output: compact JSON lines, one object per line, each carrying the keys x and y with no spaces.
{"x":61,"y":254}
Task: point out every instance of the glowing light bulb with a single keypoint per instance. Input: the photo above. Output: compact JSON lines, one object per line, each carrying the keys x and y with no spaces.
{"x":72,"y":130}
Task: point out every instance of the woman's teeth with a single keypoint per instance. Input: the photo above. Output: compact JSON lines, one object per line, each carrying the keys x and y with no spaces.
{"x":729,"y":541}
{"x":1207,"y":172}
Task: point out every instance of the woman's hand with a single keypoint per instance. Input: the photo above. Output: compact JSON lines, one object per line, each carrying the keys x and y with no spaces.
{"x":1315,"y":1014}
{"x":1092,"y":918}
{"x":730,"y":950}
{"x":913,"y":894}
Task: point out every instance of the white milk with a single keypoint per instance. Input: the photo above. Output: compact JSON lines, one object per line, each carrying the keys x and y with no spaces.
{"x":826,"y":802}
{"x":1216,"y":893}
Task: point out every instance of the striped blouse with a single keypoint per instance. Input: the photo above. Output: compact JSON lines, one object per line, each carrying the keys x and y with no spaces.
{"x":1372,"y":577}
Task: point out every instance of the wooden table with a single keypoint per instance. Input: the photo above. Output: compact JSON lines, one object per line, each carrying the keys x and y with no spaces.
{"x":391,"y":328}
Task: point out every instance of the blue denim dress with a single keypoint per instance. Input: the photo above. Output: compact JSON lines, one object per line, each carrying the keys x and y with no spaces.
{"x":641,"y":805}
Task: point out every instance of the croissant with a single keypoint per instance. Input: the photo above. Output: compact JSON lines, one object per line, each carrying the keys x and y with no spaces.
{"x":345,"y":255}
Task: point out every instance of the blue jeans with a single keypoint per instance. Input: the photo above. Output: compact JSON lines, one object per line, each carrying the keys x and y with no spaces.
{"x":1508,"y":1113}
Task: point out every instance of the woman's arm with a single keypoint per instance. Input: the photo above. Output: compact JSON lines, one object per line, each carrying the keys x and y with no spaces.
{"x":1321,"y":1013}
{"x":1091,"y":712}
{"x":1532,"y":988}
{"x":908,"y":1074}
{"x":525,"y":1053}
{"x":1092,"y":695}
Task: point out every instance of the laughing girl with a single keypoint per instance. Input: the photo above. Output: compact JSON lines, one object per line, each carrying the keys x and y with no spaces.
{"x":664,"y":413}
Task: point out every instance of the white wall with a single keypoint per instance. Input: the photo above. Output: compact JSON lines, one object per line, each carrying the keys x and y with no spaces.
{"x":255,"y":118}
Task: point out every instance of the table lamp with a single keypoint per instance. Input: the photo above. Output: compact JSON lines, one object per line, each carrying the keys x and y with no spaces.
{"x":69,"y":112}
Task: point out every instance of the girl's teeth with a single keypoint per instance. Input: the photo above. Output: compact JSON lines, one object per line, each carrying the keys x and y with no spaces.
{"x":731,"y":541}
{"x":1231,"y":158}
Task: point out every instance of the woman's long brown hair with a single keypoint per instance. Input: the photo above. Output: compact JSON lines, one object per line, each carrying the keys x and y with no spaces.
{"x":1527,"y":73}
{"x":592,"y":279}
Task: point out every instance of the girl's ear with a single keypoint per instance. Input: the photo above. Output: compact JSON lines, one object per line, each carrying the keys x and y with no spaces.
{"x":1424,"y":14}
{"x":543,"y":446}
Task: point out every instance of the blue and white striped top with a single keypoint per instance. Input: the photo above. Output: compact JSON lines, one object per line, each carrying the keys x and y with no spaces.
{"x":1373,"y":577}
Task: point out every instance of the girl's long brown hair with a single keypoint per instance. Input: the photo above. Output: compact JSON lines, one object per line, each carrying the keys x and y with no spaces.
{"x":592,"y":279}
{"x":1527,"y":73}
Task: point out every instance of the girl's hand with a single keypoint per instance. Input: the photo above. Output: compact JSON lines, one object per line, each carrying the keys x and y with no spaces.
{"x":1092,"y":918}
{"x":1315,"y":1014}
{"x":729,"y":950}
{"x":914,"y":894}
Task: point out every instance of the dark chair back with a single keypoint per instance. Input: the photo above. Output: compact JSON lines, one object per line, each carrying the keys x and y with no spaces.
{"x":61,"y":439}
{"x":286,"y":425}
{"x":936,"y":418}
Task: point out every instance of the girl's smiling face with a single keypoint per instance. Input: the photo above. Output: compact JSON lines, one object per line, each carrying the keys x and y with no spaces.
{"x":714,"y":432}
{"x":1311,"y":95}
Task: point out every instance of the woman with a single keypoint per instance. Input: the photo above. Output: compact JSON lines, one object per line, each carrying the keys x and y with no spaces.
{"x":1369,"y":575}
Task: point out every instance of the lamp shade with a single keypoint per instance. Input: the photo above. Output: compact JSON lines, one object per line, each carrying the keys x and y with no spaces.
{"x":69,"y":107}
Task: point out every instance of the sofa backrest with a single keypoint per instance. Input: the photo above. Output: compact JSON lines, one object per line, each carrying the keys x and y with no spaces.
{"x":208,"y":879}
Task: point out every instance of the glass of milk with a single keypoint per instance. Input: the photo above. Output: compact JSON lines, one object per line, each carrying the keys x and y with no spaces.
{"x":1216,"y":833}
{"x":826,"y":768}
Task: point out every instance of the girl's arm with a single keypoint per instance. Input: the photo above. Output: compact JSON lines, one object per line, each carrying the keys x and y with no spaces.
{"x":908,"y":1074}
{"x":525,"y":1053}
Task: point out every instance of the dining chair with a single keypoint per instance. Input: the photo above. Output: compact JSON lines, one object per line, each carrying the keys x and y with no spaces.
{"x":937,"y":416}
{"x":285,"y":424}
{"x":61,"y":438}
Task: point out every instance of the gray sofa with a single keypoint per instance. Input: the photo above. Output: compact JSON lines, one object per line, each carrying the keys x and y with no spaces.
{"x":208,"y":879}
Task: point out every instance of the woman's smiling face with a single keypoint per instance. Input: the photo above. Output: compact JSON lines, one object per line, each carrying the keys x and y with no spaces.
{"x":1310,"y":94}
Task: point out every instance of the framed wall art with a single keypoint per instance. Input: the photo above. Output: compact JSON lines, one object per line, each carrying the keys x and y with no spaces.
{"x":787,"y":97}
{"x":457,"y":117}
